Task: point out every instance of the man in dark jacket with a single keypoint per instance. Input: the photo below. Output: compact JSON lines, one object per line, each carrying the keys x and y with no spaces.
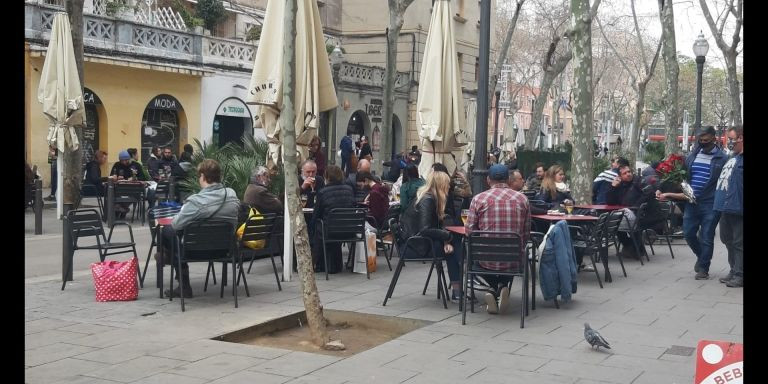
{"x":336,"y":194}
{"x":310,"y":182}
{"x":729,"y":201}
{"x":258,"y":196}
{"x":704,"y":165}
{"x":92,"y":181}
{"x":347,"y":149}
{"x":630,"y":191}
{"x":602,"y":182}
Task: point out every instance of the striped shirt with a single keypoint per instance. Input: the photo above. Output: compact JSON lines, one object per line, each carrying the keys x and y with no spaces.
{"x":499,"y":209}
{"x":701,"y":171}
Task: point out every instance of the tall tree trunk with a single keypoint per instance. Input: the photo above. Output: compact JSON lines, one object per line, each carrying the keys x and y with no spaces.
{"x":504,"y":49}
{"x":396,"y":11}
{"x":733,"y":89}
{"x":581,"y":159}
{"x":551,"y":71}
{"x":71,"y":172}
{"x":671,"y":71}
{"x":729,"y":52}
{"x":314,"y":310}
{"x":633,"y":141}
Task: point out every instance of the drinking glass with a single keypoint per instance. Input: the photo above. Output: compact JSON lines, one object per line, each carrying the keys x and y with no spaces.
{"x":569,"y":207}
{"x":303,"y":201}
{"x":464,"y":216}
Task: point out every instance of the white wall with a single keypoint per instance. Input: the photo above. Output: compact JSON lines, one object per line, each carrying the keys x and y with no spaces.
{"x":215,"y":89}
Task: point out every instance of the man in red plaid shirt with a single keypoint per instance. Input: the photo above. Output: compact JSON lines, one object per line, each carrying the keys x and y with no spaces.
{"x":499,"y":209}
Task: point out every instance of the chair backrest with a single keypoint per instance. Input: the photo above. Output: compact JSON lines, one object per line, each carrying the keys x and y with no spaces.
{"x":161,"y":212}
{"x":530,"y":194}
{"x":258,"y":227}
{"x":130,"y":190}
{"x":345,"y":222}
{"x":207,"y":239}
{"x":539,"y":203}
{"x":612,"y":222}
{"x":162,"y":189}
{"x":489,"y":246}
{"x":85,"y":223}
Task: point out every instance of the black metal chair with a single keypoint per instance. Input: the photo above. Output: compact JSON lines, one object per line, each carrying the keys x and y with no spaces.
{"x":591,"y":242}
{"x":383,"y":230}
{"x":645,"y":219}
{"x":209,"y":241}
{"x":90,"y":190}
{"x":344,"y":225}
{"x":485,"y":246}
{"x":611,"y":231}
{"x":666,"y":210}
{"x":83,"y":223}
{"x":430,"y":256}
{"x":162,"y":191}
{"x":131,"y":193}
{"x":535,"y":239}
{"x":259,"y":228}
{"x":152,"y":216}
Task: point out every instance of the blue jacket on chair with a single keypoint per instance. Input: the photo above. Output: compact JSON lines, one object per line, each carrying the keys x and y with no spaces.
{"x":557,"y":268}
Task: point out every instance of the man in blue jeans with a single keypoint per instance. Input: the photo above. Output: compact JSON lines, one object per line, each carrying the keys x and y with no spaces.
{"x":704,"y":165}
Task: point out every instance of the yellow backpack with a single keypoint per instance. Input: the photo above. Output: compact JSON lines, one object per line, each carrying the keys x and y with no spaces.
{"x":254,"y":244}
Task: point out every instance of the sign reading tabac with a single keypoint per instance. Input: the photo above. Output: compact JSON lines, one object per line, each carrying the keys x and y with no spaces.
{"x":719,"y":362}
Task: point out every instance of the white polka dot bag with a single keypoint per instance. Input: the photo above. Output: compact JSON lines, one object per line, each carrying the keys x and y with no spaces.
{"x":116,"y":280}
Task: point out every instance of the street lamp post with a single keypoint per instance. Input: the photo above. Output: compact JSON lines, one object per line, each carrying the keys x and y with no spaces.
{"x":480,"y":171}
{"x":700,"y":48}
{"x":337,"y":57}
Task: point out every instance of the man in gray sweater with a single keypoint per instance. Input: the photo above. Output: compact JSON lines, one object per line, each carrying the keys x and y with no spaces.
{"x":214,"y":201}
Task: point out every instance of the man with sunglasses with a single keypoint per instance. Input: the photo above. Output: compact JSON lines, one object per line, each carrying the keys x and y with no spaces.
{"x":704,"y":165}
{"x":729,"y":201}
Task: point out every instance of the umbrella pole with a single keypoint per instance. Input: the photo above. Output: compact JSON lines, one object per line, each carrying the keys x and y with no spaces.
{"x":480,"y":171}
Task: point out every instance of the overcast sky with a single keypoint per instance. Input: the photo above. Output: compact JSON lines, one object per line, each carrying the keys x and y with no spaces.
{"x":689,"y":21}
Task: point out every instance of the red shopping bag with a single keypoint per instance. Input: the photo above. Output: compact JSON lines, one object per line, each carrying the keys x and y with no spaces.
{"x":116,"y":280}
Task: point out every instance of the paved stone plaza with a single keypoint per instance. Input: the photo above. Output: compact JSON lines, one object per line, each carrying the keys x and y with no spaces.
{"x":71,"y":338}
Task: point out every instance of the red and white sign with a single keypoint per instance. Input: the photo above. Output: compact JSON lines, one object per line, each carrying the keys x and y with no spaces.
{"x":719,"y":362}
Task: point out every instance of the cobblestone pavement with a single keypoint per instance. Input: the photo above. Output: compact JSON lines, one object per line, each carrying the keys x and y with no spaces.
{"x":71,"y":338}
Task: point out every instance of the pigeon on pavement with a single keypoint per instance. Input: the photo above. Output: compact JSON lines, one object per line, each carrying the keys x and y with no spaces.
{"x":594,"y":338}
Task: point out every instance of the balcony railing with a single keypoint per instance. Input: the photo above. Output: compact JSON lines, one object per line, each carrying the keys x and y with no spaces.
{"x":127,"y":38}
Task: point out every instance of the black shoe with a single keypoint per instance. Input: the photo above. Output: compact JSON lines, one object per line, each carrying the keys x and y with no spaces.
{"x":735,"y":282}
{"x":702,"y":275}
{"x":50,"y":198}
{"x":177,"y":292}
{"x":727,"y":278}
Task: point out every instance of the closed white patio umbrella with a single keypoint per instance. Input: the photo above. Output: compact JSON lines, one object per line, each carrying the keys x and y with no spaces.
{"x":439,"y":104}
{"x":61,"y":94}
{"x":314,"y":91}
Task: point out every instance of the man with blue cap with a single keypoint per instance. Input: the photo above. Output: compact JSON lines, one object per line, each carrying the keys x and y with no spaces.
{"x":125,"y":169}
{"x":499,"y":209}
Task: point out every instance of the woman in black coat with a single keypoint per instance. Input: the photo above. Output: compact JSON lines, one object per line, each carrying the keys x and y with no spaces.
{"x":335,"y":194}
{"x":426,"y":217}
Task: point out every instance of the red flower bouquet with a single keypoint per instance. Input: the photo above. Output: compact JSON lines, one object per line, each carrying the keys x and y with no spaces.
{"x":672,"y":169}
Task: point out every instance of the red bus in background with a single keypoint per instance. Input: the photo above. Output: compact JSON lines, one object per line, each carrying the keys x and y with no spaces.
{"x":691,"y":139}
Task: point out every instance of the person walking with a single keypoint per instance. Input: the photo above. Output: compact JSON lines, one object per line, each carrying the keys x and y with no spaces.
{"x":729,"y":201}
{"x":704,"y":165}
{"x":52,"y":157}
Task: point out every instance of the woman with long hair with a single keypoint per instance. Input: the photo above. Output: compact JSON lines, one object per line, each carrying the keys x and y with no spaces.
{"x":554,"y":191}
{"x":426,"y":217}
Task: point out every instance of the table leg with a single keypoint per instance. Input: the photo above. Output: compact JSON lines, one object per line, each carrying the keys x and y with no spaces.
{"x":158,"y":263}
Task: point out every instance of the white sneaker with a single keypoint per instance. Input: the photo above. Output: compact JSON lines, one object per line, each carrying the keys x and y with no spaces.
{"x":490,"y":300}
{"x":504,"y":300}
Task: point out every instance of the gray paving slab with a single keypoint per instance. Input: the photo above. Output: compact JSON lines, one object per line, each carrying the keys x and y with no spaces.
{"x":217,"y":366}
{"x":53,"y":352}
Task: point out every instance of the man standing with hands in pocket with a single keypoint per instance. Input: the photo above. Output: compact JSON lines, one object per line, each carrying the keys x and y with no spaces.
{"x":729,"y":201}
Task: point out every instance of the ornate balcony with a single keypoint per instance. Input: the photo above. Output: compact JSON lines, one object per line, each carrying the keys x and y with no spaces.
{"x":120,"y":37}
